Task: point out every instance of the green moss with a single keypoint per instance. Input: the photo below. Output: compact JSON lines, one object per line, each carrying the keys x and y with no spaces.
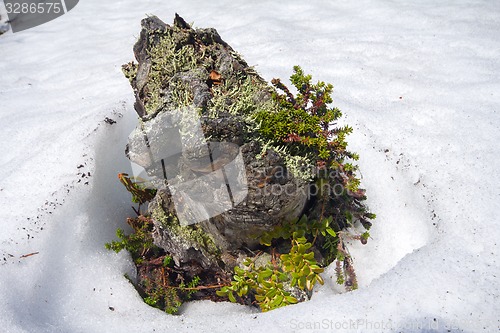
{"x":167,"y":297}
{"x":180,"y":94}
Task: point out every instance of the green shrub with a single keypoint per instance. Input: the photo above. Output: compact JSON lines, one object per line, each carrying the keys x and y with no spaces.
{"x":303,"y":128}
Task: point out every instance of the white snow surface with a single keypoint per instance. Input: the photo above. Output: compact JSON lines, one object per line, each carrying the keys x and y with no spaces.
{"x":419,"y":82}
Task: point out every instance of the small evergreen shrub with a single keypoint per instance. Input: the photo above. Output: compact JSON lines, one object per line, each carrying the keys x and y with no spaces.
{"x":304,"y":126}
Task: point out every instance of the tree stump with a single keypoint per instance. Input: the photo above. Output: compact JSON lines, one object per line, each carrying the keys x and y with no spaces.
{"x":179,"y":71}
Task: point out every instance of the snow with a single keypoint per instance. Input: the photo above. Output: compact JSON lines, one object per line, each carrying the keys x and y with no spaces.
{"x":417,"y":80}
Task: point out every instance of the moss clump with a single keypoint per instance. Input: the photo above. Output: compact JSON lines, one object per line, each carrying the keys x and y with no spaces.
{"x":235,"y":88}
{"x":166,"y":297}
{"x":298,"y":166}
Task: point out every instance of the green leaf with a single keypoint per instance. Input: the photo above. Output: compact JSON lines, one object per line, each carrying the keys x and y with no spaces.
{"x":265,"y":274}
{"x":271,"y":293}
{"x":331,"y":232}
{"x":282,"y":276}
{"x":302,"y":282}
{"x":231,"y":297}
{"x":309,"y":284}
{"x":221,"y":293}
{"x":309,"y":256}
{"x":266,"y":241}
{"x":276,"y":302}
{"x":247,"y":262}
{"x":266,"y":284}
{"x":316,"y":269}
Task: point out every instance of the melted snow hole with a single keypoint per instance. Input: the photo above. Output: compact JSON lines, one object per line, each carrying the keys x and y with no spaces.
{"x":394,"y":188}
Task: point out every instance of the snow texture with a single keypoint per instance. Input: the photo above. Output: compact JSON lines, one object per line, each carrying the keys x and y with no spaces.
{"x":419,"y":81}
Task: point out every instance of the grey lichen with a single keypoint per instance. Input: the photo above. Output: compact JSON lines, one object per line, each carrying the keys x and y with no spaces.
{"x":130,"y":71}
{"x":184,"y":239}
{"x":298,"y":166}
{"x":167,"y":59}
{"x":240,"y":95}
{"x":179,"y":66}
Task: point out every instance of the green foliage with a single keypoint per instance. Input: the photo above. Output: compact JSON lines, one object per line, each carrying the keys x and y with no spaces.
{"x":137,"y":243}
{"x":168,"y":297}
{"x":191,"y":287}
{"x":265,"y":283}
{"x":298,"y":228}
{"x":244,"y":280}
{"x":303,"y":122}
{"x":153,"y":286}
{"x":302,"y":266}
{"x":270,"y":284}
{"x":270,"y":293}
{"x":167,"y":261}
{"x":311,"y":228}
{"x":304,"y":128}
{"x":298,"y":268}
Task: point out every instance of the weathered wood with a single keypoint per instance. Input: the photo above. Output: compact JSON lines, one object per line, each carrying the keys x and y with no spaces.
{"x":274,"y":194}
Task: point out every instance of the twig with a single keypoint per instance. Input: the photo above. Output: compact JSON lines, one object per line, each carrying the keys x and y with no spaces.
{"x":28,"y":255}
{"x":137,"y":211}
